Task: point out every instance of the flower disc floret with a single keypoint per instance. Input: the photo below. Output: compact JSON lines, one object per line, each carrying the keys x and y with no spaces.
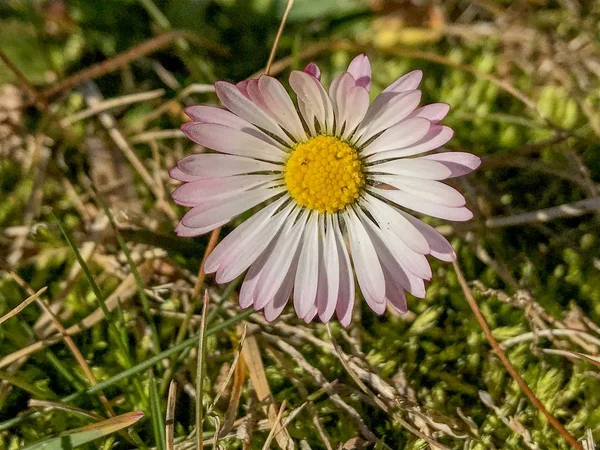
{"x":324,"y":174}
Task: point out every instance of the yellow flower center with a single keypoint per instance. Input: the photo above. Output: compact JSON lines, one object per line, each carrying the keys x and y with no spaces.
{"x":324,"y":174}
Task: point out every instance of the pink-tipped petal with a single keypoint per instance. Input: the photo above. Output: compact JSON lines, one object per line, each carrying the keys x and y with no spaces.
{"x":346,"y":295}
{"x":429,"y":190}
{"x":394,"y":111}
{"x":459,"y":163}
{"x":406,"y":82}
{"x":422,"y":206}
{"x":366,"y":263}
{"x":417,"y":168}
{"x":177,"y":174}
{"x":211,"y":165}
{"x":217,"y":188}
{"x":313,"y":70}
{"x":437,"y":136}
{"x":243,"y":87}
{"x":360,"y":69}
{"x":440,"y":247}
{"x":234,"y":142}
{"x":404,"y":134}
{"x":216,"y":212}
{"x":434,"y":112}
{"x":239,"y":104}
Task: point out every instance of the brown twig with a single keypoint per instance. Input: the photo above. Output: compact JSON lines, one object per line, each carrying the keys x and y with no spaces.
{"x":506,"y":362}
{"x":31,"y":90}
{"x":112,"y":64}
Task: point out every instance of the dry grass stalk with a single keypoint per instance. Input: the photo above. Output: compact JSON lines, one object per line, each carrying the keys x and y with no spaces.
{"x":21,"y":306}
{"x":508,"y":365}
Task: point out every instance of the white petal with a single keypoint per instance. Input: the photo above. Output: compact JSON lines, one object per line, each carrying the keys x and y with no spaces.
{"x":360,"y":69}
{"x":309,"y":117}
{"x":280,"y":104}
{"x":403,"y":134}
{"x":211,"y":165}
{"x":218,"y":211}
{"x":182,"y":231}
{"x":240,"y":258}
{"x":248,"y":289}
{"x":425,"y":207}
{"x":391,"y":113}
{"x":240,"y":105}
{"x":430,"y":190}
{"x":331,"y":262}
{"x":366,"y":263}
{"x":311,"y":93}
{"x":195,"y":192}
{"x":440,"y":247}
{"x":338,"y":92}
{"x":234,"y":240}
{"x":310,"y":315}
{"x":235,"y":142}
{"x":415,"y":262}
{"x":434,"y":112}
{"x":356,"y":107}
{"x":346,"y":295}
{"x":276,"y":268}
{"x":389,"y":218}
{"x":417,"y":168}
{"x":177,"y":174}
{"x":307,"y":276}
{"x":395,"y":293}
{"x":402,"y":85}
{"x":395,"y":268}
{"x":459,"y":163}
{"x":274,"y":308}
{"x":407,"y":82}
{"x":437,"y":136}
{"x":219,"y":116}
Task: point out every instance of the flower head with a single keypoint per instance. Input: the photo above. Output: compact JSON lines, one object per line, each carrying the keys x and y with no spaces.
{"x":327,"y":166}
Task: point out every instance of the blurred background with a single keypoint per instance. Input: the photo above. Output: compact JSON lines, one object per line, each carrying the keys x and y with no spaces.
{"x":91,"y":101}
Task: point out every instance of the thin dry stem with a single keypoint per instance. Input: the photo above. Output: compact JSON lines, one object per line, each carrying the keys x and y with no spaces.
{"x":506,"y":362}
{"x":170,"y":415}
{"x":278,"y":37}
{"x":21,"y":306}
{"x":70,"y":343}
{"x":200,"y":373}
{"x":212,"y":243}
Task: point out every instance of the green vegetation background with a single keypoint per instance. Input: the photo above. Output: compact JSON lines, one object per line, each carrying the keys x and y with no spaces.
{"x":522,"y":79}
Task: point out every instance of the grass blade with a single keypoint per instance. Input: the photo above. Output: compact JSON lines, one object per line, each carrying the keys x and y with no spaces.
{"x":80,"y":436}
{"x":158,"y":423}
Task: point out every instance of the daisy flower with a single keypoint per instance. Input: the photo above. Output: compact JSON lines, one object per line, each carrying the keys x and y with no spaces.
{"x":327,"y":167}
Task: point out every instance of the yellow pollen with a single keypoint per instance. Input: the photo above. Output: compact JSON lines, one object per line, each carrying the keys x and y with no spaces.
{"x":324,"y":174}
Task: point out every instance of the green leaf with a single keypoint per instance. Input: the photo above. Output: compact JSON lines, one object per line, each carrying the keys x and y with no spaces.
{"x":80,"y":436}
